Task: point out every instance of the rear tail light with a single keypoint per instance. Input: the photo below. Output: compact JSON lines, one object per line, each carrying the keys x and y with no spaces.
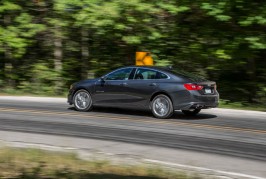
{"x":189,"y":86}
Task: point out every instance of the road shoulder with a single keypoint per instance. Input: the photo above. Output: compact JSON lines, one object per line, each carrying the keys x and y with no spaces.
{"x":91,"y":149}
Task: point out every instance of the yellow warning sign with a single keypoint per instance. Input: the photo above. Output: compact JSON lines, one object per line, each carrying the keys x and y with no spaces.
{"x":143,"y":58}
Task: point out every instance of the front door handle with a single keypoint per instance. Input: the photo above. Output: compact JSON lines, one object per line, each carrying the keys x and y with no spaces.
{"x":153,"y":84}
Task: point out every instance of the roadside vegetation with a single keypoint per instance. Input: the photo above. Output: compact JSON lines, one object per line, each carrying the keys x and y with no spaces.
{"x":38,"y":164}
{"x":46,"y":45}
{"x":241,"y":105}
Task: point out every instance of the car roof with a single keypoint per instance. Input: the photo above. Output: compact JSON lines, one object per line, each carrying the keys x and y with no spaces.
{"x":171,"y":72}
{"x":151,"y":67}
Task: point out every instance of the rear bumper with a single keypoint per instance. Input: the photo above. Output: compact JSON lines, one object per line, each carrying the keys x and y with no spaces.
{"x":196,"y":105}
{"x":198,"y":102}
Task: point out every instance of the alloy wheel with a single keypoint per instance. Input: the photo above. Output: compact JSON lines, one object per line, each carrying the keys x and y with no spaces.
{"x":162,"y":106}
{"x":82,"y":100}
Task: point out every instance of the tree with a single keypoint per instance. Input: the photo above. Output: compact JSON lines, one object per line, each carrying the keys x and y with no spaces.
{"x":16,"y":35}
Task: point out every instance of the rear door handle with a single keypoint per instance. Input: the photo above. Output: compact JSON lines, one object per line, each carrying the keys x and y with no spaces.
{"x":153,"y":84}
{"x":123,"y":84}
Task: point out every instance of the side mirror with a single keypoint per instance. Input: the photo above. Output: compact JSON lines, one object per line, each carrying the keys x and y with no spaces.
{"x":102,"y":79}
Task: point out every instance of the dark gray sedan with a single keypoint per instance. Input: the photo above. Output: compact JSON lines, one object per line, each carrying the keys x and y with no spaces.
{"x":161,"y":90}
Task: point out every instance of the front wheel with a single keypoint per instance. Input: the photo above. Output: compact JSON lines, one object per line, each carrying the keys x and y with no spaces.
{"x":191,"y":112}
{"x":162,"y":107}
{"x":82,"y":100}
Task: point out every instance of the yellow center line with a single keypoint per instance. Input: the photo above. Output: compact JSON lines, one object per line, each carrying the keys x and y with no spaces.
{"x":124,"y":118}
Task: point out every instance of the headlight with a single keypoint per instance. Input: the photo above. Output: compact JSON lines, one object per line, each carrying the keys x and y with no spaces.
{"x":72,"y":86}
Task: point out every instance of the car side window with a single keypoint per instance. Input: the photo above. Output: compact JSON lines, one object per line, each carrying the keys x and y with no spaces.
{"x":147,"y":74}
{"x":122,"y":74}
{"x":160,"y":75}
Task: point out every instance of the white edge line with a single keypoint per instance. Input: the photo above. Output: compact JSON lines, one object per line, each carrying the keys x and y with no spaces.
{"x":203,"y":169}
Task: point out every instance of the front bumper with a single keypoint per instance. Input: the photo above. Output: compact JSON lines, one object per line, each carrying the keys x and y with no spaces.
{"x":70,"y":97}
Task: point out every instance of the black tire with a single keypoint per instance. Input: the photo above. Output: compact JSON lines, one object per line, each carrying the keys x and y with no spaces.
{"x":82,"y":100}
{"x":192,"y":112}
{"x":162,"y":107}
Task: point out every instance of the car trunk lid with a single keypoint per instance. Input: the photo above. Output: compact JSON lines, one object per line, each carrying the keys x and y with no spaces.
{"x":209,"y":87}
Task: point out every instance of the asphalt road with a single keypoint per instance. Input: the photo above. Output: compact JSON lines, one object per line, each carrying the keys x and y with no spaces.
{"x":227,"y":132}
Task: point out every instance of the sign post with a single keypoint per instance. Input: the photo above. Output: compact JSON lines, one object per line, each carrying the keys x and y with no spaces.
{"x":143,"y":58}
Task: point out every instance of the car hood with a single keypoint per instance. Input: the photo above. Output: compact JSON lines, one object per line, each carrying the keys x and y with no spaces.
{"x":85,"y":81}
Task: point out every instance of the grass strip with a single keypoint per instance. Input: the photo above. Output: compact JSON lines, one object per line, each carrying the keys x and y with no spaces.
{"x":242,"y":106}
{"x":17,"y":163}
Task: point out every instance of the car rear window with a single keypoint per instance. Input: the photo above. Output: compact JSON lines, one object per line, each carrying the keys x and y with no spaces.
{"x":185,"y":74}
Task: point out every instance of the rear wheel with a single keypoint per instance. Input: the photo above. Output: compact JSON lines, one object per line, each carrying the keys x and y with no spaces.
{"x":191,"y":112}
{"x":82,"y":100}
{"x":162,"y":106}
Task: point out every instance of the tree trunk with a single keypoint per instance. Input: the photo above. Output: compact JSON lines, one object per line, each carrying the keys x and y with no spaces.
{"x":58,"y":54}
{"x":8,"y":66}
{"x":84,"y":52}
{"x":58,"y":57}
{"x":252,"y":78}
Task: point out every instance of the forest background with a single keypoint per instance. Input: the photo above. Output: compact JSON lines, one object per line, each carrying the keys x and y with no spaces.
{"x":46,"y":45}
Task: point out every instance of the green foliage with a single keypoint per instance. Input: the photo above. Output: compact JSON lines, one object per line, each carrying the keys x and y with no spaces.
{"x":17,"y":30}
{"x":8,"y":6}
{"x":58,"y":41}
{"x":256,"y":42}
{"x":217,"y":10}
{"x":42,"y":82}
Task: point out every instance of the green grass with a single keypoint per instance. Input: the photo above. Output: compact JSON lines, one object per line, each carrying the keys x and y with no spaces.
{"x":19,"y":163}
{"x":12,"y":92}
{"x":242,"y":106}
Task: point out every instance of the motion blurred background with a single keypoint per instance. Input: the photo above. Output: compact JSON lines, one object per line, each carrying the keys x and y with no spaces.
{"x":46,"y":45}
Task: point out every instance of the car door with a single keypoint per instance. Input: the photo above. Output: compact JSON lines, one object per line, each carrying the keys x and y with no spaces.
{"x":145,"y":83}
{"x":112,"y":89}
